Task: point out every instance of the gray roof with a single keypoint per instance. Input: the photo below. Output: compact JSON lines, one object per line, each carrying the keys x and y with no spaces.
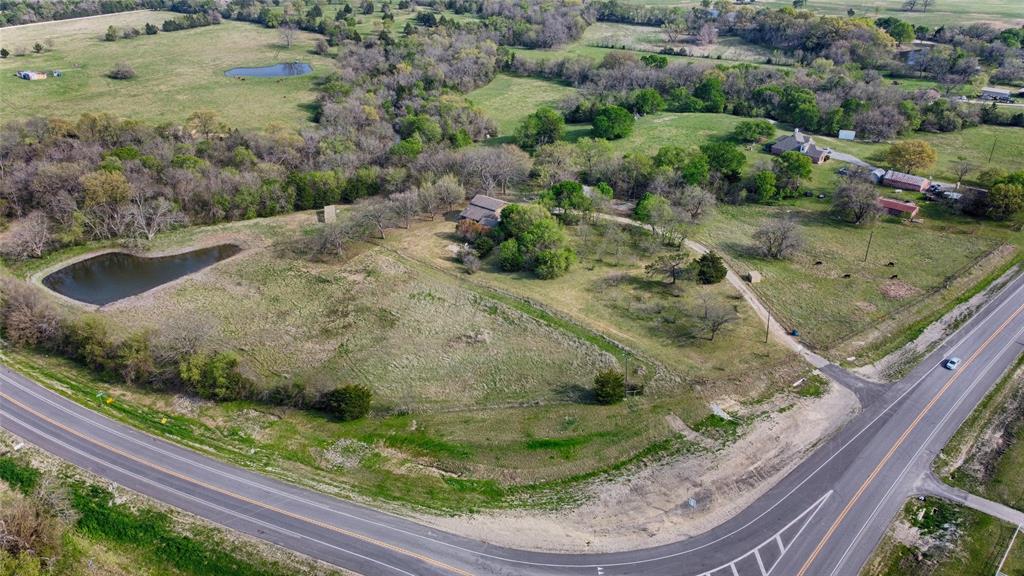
{"x":910,"y":179}
{"x":484,"y":209}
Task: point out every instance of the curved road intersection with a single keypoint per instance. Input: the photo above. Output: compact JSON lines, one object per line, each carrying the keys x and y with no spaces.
{"x":824,"y":518}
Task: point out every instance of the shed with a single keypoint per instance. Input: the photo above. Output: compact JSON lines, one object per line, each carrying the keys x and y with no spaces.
{"x":896,"y":207}
{"x":905,"y":181}
{"x":989,"y":93}
{"x":484,"y":209}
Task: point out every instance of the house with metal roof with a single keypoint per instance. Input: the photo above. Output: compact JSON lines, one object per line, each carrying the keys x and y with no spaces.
{"x":484,"y":210}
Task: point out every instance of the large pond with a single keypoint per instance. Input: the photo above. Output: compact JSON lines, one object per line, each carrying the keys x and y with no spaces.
{"x":115,"y":275}
{"x":286,"y":69}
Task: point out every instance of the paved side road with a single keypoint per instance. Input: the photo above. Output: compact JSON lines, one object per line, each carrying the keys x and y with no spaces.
{"x":824,"y":518}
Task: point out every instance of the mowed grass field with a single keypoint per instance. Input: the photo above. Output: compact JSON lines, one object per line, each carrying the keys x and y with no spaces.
{"x":944,"y":12}
{"x":509,"y":99}
{"x":177,"y":73}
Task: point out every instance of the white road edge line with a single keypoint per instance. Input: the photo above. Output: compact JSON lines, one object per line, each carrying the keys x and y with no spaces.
{"x":217,"y":507}
{"x":997,"y":305}
{"x":917,"y":453}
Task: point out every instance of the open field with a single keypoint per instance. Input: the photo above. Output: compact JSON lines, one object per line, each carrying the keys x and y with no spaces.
{"x":1002,"y":12}
{"x":937,"y":538}
{"x":609,"y":292}
{"x":447,"y":355}
{"x":177,"y":73}
{"x":509,"y":99}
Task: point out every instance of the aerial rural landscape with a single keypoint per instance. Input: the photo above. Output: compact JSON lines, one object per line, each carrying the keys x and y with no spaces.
{"x":496,"y":287}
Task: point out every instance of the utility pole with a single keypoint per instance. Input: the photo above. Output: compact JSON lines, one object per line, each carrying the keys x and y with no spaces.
{"x":993,"y":151}
{"x":768,"y":325}
{"x":868,"y":249}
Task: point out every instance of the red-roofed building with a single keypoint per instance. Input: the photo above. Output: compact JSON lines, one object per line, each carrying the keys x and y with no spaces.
{"x":895,"y":207}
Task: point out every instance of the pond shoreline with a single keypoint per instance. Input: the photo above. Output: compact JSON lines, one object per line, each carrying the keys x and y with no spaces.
{"x":37,"y":278}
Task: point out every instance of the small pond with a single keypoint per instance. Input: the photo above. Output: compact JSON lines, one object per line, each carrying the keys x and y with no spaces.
{"x":115,"y":275}
{"x":286,"y":69}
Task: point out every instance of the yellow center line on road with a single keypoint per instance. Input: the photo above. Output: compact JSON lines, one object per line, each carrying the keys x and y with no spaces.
{"x":899,"y":442}
{"x":356,"y":535}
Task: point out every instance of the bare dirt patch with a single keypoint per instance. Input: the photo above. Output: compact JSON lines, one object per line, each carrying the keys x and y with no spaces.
{"x":650,"y":507}
{"x":898,"y":290}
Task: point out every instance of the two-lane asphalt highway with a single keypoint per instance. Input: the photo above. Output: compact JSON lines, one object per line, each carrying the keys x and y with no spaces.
{"x":824,"y":518}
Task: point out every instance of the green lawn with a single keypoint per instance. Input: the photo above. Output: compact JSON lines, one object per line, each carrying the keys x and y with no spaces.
{"x":509,"y":99}
{"x":972,"y":543}
{"x":177,"y":73}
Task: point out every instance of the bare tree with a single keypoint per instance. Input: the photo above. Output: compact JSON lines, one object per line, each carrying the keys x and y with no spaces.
{"x":430,"y":200}
{"x":716,"y":315}
{"x":380,"y":215}
{"x":962,"y":168}
{"x":29,"y":239}
{"x":670,"y":265}
{"x":152,"y":216}
{"x":778,"y":239}
{"x":405,"y":205}
{"x":450,"y":192}
{"x":926,"y":4}
{"x":334,"y":238}
{"x":288,"y":32}
{"x":675,"y":29}
{"x":707,"y":34}
{"x":856,"y":201}
{"x":909,"y":5}
{"x":696,"y":201}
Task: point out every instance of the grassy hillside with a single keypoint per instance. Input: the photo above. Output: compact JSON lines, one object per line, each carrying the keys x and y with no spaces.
{"x":177,"y":73}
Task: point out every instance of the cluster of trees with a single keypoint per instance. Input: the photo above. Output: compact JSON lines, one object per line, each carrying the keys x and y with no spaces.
{"x":188,"y":21}
{"x":15,"y":12}
{"x":530,"y":238}
{"x":820,"y":98}
{"x":1002,"y":199}
{"x":173,"y":359}
{"x":534,"y":24}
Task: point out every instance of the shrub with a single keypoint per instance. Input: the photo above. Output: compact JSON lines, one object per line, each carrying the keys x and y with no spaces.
{"x":609,"y":387}
{"x":349,"y":402}
{"x":553,"y":263}
{"x":484,"y":245}
{"x":612,"y":122}
{"x":710,"y":269}
{"x":122,"y":71}
{"x":215,"y":376}
{"x":151,"y":29}
{"x":509,"y":256}
{"x":37,"y":48}
{"x":4,"y":52}
{"x":111,"y":34}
